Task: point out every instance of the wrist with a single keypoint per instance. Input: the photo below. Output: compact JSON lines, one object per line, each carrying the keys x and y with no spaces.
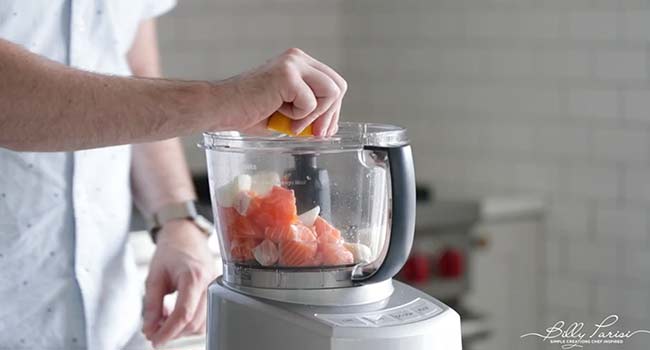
{"x":226,"y":105}
{"x":179,"y":229}
{"x":176,"y":214}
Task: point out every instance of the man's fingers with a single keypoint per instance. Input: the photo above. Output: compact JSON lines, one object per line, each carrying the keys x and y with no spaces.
{"x":334,"y":123}
{"x":152,"y":304}
{"x":343,"y":88}
{"x":300,"y":96}
{"x":334,"y":75}
{"x":197,"y":325}
{"x":189,"y":296}
{"x":326,"y":92}
{"x":322,"y":124}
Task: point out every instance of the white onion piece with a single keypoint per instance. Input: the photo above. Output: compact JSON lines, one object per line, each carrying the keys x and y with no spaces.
{"x":266,"y":253}
{"x":242,"y":201}
{"x":263,"y":182}
{"x":360,"y":252}
{"x":309,"y":217}
{"x":226,"y":194}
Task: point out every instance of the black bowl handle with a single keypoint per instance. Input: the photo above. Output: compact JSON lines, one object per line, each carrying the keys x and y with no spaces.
{"x":402,"y":227}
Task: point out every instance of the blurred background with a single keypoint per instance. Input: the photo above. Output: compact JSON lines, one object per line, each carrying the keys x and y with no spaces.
{"x":529,"y":121}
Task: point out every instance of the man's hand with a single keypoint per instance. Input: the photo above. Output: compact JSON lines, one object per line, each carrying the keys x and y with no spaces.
{"x":182,"y":263}
{"x":297,"y":85}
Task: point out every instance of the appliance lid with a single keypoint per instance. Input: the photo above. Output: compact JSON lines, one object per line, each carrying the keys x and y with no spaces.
{"x":349,"y":136}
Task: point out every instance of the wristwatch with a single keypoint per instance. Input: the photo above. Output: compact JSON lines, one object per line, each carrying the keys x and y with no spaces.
{"x":175,"y":211}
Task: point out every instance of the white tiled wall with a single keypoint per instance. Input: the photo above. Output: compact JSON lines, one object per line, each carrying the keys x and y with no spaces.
{"x":501,"y":96}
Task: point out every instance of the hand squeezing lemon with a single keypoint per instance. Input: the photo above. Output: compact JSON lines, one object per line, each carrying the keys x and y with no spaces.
{"x":281,"y":123}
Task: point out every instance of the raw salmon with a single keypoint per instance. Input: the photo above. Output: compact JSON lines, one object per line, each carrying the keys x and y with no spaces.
{"x":278,"y":234}
{"x":225,"y":220}
{"x":236,"y":225}
{"x":226,"y":215}
{"x":297,"y":253}
{"x":326,"y":233}
{"x":276,"y":209}
{"x":241,"y":249}
{"x":292,"y":232}
{"x":267,"y":229}
{"x":243,"y":227}
{"x":318,"y":259}
{"x":334,"y":254}
{"x":304,"y":233}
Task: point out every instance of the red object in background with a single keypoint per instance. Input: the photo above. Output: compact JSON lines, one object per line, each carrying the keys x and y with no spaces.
{"x":417,"y":268}
{"x":451,"y":263}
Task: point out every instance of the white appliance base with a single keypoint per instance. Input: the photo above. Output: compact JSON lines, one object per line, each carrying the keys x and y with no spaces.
{"x":408,"y":319}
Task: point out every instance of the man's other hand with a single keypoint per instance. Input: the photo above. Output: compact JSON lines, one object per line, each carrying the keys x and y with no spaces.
{"x":182,"y":263}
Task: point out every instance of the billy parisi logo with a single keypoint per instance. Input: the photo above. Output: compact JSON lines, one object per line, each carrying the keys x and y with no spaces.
{"x":574,"y":335}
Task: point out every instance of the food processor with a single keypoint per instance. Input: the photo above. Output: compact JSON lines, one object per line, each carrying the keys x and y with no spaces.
{"x":312,"y":230}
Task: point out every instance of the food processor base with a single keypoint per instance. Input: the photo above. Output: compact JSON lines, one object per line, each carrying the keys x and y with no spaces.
{"x":408,"y":319}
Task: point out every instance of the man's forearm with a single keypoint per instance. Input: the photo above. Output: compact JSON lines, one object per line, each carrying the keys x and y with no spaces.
{"x":160,"y":175}
{"x":159,"y":172}
{"x":46,"y":106}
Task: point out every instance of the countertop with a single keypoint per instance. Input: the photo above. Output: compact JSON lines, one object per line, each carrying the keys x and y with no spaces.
{"x":511,"y":208}
{"x":466,"y":212}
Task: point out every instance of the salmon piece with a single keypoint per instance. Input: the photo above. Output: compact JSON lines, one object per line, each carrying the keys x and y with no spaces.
{"x":226,"y":216}
{"x":334,"y":254}
{"x":277,"y":234}
{"x":318,"y":259}
{"x":281,"y":202}
{"x":293,"y":232}
{"x":243,"y":227}
{"x":235,"y":225}
{"x":297,"y":253}
{"x":259,"y":215}
{"x":241,"y":249}
{"x":304,"y":233}
{"x":225,"y":219}
{"x":276,"y":209}
{"x":326,"y":233}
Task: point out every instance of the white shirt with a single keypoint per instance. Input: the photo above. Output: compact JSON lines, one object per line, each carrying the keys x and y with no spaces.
{"x":67,"y":279}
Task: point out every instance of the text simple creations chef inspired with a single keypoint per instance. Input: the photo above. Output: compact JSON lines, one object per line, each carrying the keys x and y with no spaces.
{"x":576,"y":335}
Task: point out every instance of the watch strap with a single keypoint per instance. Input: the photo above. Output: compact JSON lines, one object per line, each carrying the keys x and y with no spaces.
{"x":177,"y":211}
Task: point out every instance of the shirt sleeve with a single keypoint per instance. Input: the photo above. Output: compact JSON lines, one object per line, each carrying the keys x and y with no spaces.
{"x":155,"y":8}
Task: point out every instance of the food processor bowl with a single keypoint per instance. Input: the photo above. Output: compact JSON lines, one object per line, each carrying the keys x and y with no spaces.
{"x":312,"y":213}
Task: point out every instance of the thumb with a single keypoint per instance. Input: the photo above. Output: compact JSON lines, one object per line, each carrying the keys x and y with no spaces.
{"x":153,"y":303}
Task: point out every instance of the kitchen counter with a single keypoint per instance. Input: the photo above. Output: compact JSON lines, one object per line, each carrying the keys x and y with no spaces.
{"x":505,"y":208}
{"x":451,"y":212}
